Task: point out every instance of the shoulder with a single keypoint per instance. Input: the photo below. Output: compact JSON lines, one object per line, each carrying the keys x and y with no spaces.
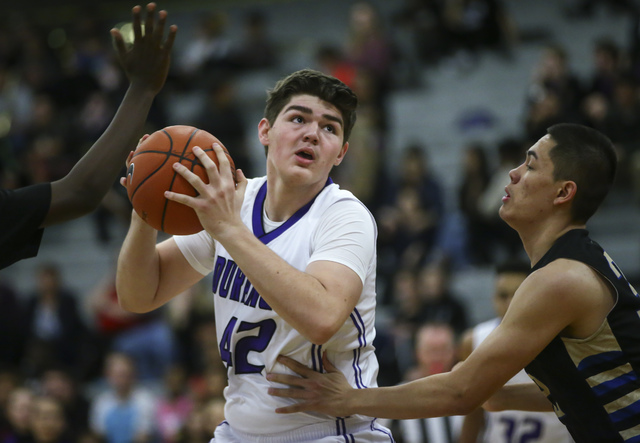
{"x":561,"y":276}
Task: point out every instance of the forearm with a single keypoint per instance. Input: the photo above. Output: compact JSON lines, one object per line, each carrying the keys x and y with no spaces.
{"x":82,"y":190}
{"x":433,"y":396}
{"x":298,"y":297}
{"x":138,"y":269}
{"x":521,"y":397}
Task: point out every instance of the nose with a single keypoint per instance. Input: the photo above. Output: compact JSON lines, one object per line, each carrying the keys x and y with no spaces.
{"x":514,"y":175}
{"x":311,"y":134}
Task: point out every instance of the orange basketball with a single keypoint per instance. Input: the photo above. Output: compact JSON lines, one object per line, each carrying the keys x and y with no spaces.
{"x":151,"y":173}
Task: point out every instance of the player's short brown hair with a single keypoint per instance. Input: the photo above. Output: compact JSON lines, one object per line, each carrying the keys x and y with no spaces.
{"x":318,"y":84}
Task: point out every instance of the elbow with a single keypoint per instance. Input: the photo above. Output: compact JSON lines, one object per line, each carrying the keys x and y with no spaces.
{"x":319,"y":334}
{"x":466,"y":401}
{"x":132,"y":307}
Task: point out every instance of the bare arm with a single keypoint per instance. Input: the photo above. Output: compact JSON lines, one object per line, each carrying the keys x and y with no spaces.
{"x":474,"y":422}
{"x":149,"y":275}
{"x":521,"y":396}
{"x":146,"y":64}
{"x":556,"y":299}
{"x":316,"y":301}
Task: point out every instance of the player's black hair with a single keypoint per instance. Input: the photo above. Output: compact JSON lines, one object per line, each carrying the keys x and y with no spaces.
{"x":586,"y":157}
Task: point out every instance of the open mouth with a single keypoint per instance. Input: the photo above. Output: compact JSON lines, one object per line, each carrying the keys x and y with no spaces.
{"x":307,"y":155}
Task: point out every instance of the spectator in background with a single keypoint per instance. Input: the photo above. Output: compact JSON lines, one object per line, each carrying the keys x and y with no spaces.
{"x":504,"y":240}
{"x":209,"y":50}
{"x":124,"y":411}
{"x":475,"y":180}
{"x":607,"y":65}
{"x":147,"y":338}
{"x":48,"y":422}
{"x":410,"y":217}
{"x":435,"y":353}
{"x":439,"y":303}
{"x":54,"y":329}
{"x":476,"y":25}
{"x":175,"y":405}
{"x":256,"y":49}
{"x":370,"y":47}
{"x":58,"y":383}
{"x":553,"y":76}
{"x":18,"y":416}
{"x":223,"y":117}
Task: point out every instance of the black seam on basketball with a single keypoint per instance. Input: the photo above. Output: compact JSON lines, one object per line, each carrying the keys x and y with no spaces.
{"x":166,"y":202}
{"x":175,"y":174}
{"x":157,"y":169}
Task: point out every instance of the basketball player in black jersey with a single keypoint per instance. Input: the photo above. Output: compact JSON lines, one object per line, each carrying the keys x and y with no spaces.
{"x":573,"y":324}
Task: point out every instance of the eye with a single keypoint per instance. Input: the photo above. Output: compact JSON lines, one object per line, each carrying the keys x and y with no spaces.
{"x":297,"y":119}
{"x":330,"y":128}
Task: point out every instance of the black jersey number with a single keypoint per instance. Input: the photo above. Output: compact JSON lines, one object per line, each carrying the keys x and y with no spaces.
{"x":238,"y":358}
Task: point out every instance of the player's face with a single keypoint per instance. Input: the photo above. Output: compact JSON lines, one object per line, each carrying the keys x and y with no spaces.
{"x":305,"y":141}
{"x":532,"y":189}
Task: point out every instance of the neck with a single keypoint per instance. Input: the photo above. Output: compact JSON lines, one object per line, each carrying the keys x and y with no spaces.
{"x":283,"y":201}
{"x":538,"y":239}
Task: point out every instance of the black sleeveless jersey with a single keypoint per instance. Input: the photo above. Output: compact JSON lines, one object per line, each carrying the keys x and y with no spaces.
{"x":593,"y":383}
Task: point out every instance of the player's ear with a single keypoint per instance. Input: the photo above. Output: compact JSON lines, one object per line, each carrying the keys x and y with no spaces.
{"x":263,"y":131}
{"x":340,"y":157}
{"x":566,"y":192}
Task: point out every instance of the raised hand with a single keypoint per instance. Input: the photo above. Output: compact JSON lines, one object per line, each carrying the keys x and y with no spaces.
{"x":146,"y":62}
{"x":327,"y":393}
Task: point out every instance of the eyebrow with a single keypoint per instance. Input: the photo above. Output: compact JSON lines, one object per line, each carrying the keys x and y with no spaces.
{"x":306,"y":110}
{"x":533,"y":154}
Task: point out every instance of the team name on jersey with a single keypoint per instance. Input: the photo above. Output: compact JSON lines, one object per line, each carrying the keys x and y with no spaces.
{"x":229,"y":282}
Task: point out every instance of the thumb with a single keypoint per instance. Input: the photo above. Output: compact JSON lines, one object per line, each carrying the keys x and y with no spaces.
{"x":241,"y":181}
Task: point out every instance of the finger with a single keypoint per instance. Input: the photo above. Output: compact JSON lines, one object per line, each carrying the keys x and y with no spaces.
{"x":129,"y":157}
{"x":173,"y":30}
{"x":286,"y":379}
{"x":158,"y":30}
{"x":143,"y":138}
{"x":183,"y":199}
{"x":207,"y":162}
{"x":150,"y":21}
{"x":328,"y":366}
{"x":118,"y":41}
{"x":290,"y":409}
{"x":288,"y":393}
{"x":137,"y":27}
{"x":223,"y":160}
{"x":295,"y":366}
{"x":190,"y":177}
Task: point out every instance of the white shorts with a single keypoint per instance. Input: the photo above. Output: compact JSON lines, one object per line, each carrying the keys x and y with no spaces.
{"x":362,"y":432}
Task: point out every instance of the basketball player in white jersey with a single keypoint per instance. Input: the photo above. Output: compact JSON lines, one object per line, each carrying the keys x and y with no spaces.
{"x":507,"y":426}
{"x":293,"y":260}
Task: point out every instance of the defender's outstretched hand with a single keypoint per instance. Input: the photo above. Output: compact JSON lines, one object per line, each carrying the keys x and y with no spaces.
{"x":327,"y":393}
{"x":146,"y":62}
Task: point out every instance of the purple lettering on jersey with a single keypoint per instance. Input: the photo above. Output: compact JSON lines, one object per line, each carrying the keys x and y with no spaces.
{"x":238,"y":281}
{"x":229,"y":271}
{"x":217,"y":272}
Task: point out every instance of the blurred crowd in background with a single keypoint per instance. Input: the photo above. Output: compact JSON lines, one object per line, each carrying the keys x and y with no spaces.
{"x":60,"y":375}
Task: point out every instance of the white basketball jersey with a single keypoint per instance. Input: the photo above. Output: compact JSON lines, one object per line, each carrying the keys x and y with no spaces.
{"x":518,"y":426}
{"x":251,"y":335}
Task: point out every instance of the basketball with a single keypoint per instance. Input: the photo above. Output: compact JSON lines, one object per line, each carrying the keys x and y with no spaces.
{"x":151,"y":173}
